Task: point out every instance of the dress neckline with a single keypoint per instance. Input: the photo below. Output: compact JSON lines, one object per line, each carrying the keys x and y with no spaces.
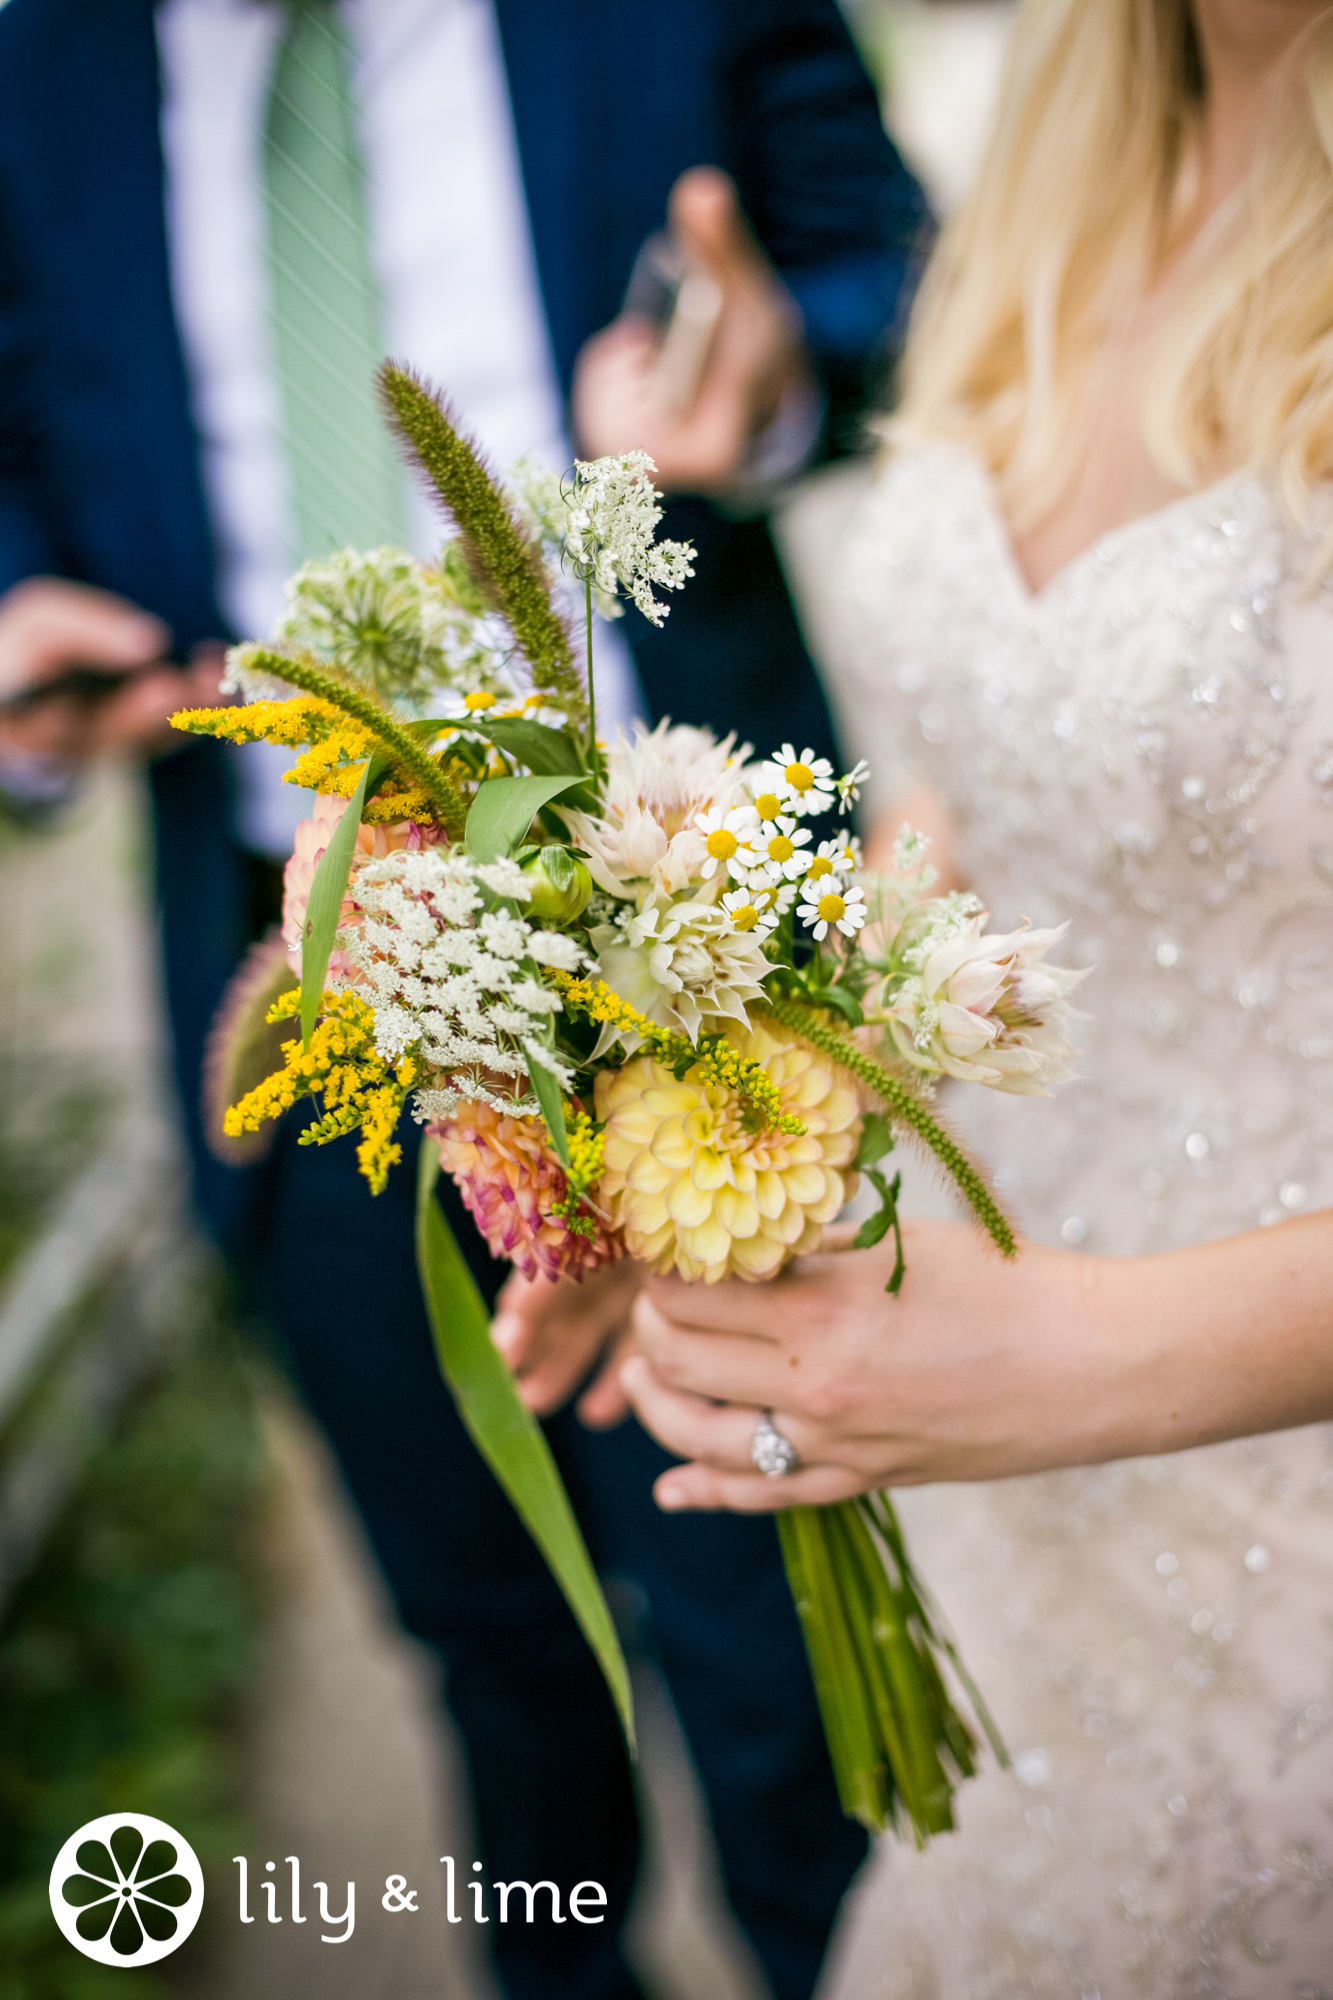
{"x":1124,"y":534}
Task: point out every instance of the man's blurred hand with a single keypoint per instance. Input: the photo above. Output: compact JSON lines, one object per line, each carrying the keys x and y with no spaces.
{"x":756,"y":357}
{"x":47,"y":626}
{"x":552,"y":1333}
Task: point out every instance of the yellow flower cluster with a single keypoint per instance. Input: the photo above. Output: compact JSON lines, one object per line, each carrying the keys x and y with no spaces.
{"x":340,"y":1064}
{"x":587,"y":1150}
{"x":305,"y":718}
{"x":717,"y":1059}
{"x":695,"y":1187}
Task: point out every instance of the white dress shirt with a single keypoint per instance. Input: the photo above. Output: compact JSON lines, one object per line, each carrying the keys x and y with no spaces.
{"x":453,"y":254}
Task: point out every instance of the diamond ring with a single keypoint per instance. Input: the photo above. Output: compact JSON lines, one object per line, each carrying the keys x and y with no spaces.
{"x":772,"y":1454}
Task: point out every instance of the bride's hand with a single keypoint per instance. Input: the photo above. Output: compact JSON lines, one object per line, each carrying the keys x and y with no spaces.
{"x":979,"y":1369}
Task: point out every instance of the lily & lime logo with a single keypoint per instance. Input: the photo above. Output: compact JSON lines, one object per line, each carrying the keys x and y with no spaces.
{"x":127,"y":1889}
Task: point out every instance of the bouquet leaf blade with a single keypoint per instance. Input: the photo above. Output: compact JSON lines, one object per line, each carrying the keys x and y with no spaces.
{"x":507,"y":1434}
{"x":326,"y":899}
{"x":504,"y":809}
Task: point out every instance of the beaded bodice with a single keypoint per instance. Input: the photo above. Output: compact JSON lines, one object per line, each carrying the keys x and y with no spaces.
{"x":1143,"y":748}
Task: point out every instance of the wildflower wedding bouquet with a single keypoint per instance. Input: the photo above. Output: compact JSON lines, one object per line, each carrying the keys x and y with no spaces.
{"x":642,"y":998}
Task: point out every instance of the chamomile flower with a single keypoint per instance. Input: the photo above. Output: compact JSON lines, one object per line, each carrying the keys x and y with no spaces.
{"x":728,"y":839}
{"x":776,"y":848}
{"x":777,"y":896}
{"x":841,"y":906}
{"x":840,"y":856}
{"x":849,"y":785}
{"x":751,"y":912}
{"x":805,"y":782}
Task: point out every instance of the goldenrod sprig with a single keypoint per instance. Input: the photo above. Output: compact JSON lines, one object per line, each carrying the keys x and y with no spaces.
{"x":301,"y":671}
{"x":341,"y":1064}
{"x":712,"y":1055}
{"x":904,"y":1108}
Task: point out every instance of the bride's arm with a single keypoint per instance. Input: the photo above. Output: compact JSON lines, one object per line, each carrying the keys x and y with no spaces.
{"x":981,"y":1369}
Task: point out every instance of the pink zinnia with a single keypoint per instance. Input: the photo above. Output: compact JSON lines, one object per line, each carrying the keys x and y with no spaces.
{"x":511,"y":1183}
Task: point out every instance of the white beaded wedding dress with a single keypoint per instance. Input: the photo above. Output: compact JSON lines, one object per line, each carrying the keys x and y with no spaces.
{"x":1143,"y":748}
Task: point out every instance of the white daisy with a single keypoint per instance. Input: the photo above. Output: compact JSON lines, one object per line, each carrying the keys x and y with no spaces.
{"x":850,"y":783}
{"x":750,"y":912}
{"x":842,"y":906}
{"x":840,"y":856}
{"x":728,"y":838}
{"x":776,"y":847}
{"x":806,"y":781}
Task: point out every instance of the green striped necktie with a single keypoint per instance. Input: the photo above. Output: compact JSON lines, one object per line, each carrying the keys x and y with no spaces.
{"x":347,"y":485}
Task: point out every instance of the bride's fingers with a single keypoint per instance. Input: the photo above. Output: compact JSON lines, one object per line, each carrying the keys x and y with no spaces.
{"x":727,"y":1367}
{"x":703,"y":1487}
{"x":719,"y":1434}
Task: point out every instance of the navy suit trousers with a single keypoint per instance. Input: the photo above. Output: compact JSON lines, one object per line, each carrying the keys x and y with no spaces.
{"x":550,"y":1775}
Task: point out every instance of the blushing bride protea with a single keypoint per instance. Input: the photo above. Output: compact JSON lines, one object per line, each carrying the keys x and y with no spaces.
{"x":657,"y":787}
{"x":987,"y":1009}
{"x":512,"y":1187}
{"x":695,"y":1188}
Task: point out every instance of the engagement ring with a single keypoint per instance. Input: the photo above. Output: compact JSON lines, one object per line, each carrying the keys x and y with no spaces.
{"x":774,"y":1455}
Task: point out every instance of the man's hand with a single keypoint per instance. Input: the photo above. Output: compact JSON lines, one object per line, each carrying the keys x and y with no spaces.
{"x":552,"y":1334}
{"x":755,"y":359}
{"x":48,"y":625}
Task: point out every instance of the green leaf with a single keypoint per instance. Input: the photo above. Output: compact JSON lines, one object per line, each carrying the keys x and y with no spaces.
{"x":506,"y":1433}
{"x":876,"y":1141}
{"x":877,"y":1226}
{"x":326,"y":897}
{"x":873,"y":1230}
{"x":504,"y":809}
{"x":553,"y":1107}
{"x":547,"y":751}
{"x":846,"y":1003}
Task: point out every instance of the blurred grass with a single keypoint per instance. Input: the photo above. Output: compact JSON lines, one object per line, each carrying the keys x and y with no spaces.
{"x":125,"y":1655}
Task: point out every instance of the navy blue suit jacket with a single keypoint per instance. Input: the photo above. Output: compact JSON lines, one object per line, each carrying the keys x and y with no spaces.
{"x":99,"y":473}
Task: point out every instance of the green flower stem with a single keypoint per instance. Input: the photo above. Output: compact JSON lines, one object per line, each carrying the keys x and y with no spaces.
{"x":850,"y":1723}
{"x":592,"y":692}
{"x":406,"y":752}
{"x":906,"y":1109}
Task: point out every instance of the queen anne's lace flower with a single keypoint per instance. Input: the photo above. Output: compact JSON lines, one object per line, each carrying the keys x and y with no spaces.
{"x":613,"y":510}
{"x":986,"y":1008}
{"x":312,"y":837}
{"x":696,"y":1189}
{"x":452,"y":978}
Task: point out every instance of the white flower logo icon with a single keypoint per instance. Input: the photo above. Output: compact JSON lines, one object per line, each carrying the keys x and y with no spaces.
{"x":127,"y":1889}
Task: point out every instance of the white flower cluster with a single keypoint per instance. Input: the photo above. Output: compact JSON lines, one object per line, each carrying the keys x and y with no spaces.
{"x":453,"y":974}
{"x":612,"y":512}
{"x":762,"y":846}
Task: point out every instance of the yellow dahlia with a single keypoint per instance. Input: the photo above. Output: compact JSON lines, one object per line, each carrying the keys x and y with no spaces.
{"x":694,"y":1187}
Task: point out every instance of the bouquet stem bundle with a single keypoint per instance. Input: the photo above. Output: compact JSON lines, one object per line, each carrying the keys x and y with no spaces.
{"x":898,"y":1744}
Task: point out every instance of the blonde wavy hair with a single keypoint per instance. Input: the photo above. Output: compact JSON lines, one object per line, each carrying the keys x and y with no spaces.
{"x":1085,"y":196}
